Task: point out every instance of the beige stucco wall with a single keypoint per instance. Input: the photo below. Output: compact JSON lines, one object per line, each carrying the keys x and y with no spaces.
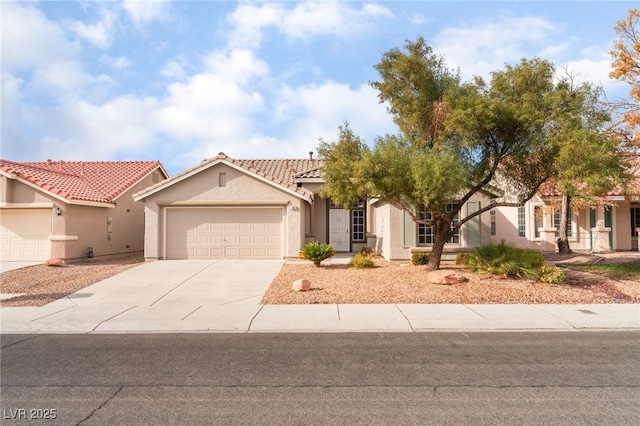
{"x":507,"y":219}
{"x":389,"y":230}
{"x":79,"y":226}
{"x":241,"y":189}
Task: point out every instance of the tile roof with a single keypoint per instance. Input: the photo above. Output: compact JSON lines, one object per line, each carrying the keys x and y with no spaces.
{"x":89,"y":181}
{"x":282,"y":172}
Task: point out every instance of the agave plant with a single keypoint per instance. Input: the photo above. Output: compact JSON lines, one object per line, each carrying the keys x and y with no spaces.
{"x":316,"y":252}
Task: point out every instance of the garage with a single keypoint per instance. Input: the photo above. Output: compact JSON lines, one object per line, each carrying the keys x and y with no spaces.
{"x":24,"y":234}
{"x":224,"y":232}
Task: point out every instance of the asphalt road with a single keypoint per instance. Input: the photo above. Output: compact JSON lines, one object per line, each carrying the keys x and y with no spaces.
{"x":565,"y":378}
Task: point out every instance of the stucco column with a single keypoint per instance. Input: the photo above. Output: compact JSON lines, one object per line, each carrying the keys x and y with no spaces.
{"x":600,"y":237}
{"x":547,"y":239}
{"x":638,"y":233}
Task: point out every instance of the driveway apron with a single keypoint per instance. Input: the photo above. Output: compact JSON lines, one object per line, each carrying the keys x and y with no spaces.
{"x":168,"y":283}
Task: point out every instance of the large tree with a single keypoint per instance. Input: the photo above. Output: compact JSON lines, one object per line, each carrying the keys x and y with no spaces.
{"x":626,"y":67}
{"x":590,"y":162}
{"x":455,"y":141}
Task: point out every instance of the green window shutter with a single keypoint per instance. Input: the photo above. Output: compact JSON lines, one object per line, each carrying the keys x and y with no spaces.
{"x":409,"y":230}
{"x":473,"y":225}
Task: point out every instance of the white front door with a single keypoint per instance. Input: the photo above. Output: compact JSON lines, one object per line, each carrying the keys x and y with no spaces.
{"x":339,"y":229}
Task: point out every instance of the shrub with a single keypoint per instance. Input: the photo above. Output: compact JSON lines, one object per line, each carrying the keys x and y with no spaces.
{"x":370,"y":251}
{"x":316,"y":252}
{"x":551,"y":275}
{"x":462,"y":258}
{"x":419,"y":258}
{"x":361,"y":261}
{"x":502,"y":259}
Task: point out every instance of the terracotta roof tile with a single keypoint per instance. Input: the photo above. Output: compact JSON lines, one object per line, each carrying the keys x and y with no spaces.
{"x":95,"y":181}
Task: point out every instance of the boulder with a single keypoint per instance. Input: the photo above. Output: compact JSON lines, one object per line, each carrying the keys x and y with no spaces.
{"x":301,"y":285}
{"x":446,"y":277}
{"x":54,"y":262}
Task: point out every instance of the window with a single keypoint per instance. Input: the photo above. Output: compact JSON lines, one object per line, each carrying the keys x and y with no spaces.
{"x":538,"y":216}
{"x":425,"y":232}
{"x":556,"y":223}
{"x":522,"y":222}
{"x":357,"y":225}
{"x":635,"y":220}
{"x":492,"y":216}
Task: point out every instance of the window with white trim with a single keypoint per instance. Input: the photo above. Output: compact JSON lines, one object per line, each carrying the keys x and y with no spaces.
{"x":538,"y":217}
{"x":556,"y":223}
{"x":426,"y":235}
{"x":357,"y":225}
{"x":635,"y":220}
{"x":522,"y":222}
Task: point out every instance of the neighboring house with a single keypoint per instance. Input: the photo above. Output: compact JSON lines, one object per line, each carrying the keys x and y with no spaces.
{"x":612,"y":226}
{"x":60,"y":209}
{"x":268,"y":209}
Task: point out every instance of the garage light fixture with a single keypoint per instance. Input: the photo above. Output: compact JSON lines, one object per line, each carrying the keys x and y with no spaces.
{"x":59,"y":211}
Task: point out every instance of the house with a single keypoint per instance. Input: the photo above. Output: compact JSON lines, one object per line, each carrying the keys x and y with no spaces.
{"x":613,"y":225}
{"x":60,"y":209}
{"x":268,"y":209}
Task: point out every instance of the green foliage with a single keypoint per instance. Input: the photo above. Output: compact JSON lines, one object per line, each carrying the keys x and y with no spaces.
{"x":419,"y":258}
{"x":316,"y":252}
{"x":455,"y":137}
{"x":361,"y":261}
{"x":462,"y":258}
{"x":551,"y":275}
{"x":502,"y":259}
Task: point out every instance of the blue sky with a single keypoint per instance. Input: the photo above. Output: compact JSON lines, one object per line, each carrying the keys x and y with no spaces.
{"x":180,"y":81}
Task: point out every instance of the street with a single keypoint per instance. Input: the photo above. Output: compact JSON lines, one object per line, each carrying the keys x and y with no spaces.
{"x":568,"y":378}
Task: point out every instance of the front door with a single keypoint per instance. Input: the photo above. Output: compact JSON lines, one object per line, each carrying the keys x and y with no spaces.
{"x":339,"y":229}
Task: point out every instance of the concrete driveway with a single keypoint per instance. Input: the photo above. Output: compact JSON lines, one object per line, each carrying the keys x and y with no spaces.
{"x":181,"y":282}
{"x":161,"y":296}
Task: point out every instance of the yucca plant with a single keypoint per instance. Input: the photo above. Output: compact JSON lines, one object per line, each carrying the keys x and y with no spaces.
{"x":316,"y":252}
{"x":502,"y":259}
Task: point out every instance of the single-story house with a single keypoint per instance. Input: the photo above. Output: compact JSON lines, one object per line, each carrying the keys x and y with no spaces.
{"x":268,"y":209}
{"x":613,"y":225}
{"x":66,"y":209}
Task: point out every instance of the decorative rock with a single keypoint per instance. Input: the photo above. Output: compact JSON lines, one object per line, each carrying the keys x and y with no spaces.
{"x":54,"y":262}
{"x":446,"y":277}
{"x":301,"y":285}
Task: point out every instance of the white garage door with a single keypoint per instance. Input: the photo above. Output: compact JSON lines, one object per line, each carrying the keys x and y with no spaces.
{"x":219,"y":232}
{"x":24,"y":234}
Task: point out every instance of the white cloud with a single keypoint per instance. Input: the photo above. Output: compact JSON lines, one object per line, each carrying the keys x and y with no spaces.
{"x":304,"y":21}
{"x":120,"y":128}
{"x":173,"y":70}
{"x":315,"y":111}
{"x":144,"y":11}
{"x":30,"y":40}
{"x":215,"y":104}
{"x":478,"y":49}
{"x":119,"y":63}
{"x":100,"y":33}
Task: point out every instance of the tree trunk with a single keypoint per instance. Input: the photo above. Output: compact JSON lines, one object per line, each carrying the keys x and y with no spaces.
{"x":563,"y":238}
{"x":441,"y":235}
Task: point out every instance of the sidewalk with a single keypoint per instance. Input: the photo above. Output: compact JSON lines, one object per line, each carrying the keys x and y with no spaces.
{"x":223,"y":297}
{"x":253,"y":318}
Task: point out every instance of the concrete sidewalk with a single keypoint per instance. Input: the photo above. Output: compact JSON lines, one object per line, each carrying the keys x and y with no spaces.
{"x":254,"y":318}
{"x":224,"y":296}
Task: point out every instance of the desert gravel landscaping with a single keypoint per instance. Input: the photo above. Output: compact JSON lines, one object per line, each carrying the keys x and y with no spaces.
{"x":401,"y":282}
{"x":388,"y":282}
